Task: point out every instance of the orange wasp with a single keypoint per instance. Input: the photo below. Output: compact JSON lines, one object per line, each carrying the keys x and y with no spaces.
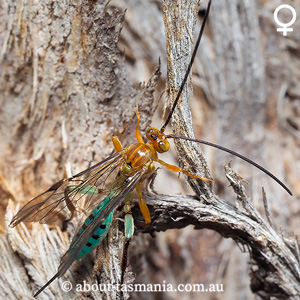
{"x":133,"y":164}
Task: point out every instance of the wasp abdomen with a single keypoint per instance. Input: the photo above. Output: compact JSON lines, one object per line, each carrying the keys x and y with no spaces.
{"x":99,"y":234}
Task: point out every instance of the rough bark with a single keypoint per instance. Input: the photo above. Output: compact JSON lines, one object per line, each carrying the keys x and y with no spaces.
{"x":65,"y":90}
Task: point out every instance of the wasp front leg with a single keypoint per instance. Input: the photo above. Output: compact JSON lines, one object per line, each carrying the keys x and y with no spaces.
{"x":117,"y":144}
{"x":137,"y":129}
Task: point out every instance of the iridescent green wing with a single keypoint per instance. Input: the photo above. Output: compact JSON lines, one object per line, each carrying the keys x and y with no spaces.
{"x":61,"y":198}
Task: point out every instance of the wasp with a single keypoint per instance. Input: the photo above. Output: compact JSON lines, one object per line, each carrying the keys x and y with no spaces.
{"x":107,"y":184}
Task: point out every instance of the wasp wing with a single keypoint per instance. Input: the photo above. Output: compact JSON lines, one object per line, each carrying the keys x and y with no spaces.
{"x":118,"y":192}
{"x":63,"y":196}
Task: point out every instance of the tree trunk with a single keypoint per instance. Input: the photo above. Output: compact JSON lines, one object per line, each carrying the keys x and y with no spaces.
{"x":70,"y":76}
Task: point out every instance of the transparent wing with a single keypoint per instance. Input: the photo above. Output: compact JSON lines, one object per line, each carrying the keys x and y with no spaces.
{"x":61,"y":198}
{"x":118,"y":192}
{"x":120,"y":188}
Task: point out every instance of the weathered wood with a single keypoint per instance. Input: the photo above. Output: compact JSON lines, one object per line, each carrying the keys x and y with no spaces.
{"x":65,"y":93}
{"x":65,"y":89}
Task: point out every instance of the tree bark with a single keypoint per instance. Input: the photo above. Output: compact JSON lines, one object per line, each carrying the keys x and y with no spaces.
{"x":65,"y":91}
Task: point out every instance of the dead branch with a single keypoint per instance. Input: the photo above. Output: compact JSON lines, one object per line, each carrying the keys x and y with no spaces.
{"x":70,"y":75}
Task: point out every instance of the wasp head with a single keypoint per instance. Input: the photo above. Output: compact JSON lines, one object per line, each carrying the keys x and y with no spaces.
{"x":158,"y":140}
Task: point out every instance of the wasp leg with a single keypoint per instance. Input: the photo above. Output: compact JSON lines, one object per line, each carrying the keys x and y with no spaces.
{"x":70,"y":206}
{"x":180,"y":170}
{"x":124,"y":260}
{"x":117,"y":144}
{"x":69,"y":203}
{"x":128,"y":231}
{"x":128,"y":221}
{"x":137,"y":129}
{"x":142,"y":204}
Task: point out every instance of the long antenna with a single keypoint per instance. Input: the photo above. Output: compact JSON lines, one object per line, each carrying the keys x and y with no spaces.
{"x":188,"y":69}
{"x":235,"y":154}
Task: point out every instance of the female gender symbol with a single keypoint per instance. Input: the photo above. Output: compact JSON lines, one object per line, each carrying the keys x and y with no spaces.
{"x":285,"y":26}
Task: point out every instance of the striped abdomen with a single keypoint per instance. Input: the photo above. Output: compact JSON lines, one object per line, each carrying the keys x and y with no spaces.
{"x":99,"y":234}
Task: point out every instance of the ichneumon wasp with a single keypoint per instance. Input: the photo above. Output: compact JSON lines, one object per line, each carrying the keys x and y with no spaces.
{"x":102,"y":190}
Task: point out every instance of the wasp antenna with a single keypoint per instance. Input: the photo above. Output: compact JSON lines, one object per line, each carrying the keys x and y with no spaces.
{"x":235,"y":154}
{"x":188,"y":69}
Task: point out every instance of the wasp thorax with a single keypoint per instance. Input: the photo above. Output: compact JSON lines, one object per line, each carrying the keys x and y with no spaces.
{"x":158,"y":140}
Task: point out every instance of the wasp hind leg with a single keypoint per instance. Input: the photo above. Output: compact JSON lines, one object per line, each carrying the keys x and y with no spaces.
{"x":128,"y":232}
{"x":142,"y":204}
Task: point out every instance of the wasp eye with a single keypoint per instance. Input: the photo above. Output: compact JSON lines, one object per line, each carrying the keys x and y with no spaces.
{"x":152,"y":134}
{"x":164,"y":146}
{"x":154,"y":137}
